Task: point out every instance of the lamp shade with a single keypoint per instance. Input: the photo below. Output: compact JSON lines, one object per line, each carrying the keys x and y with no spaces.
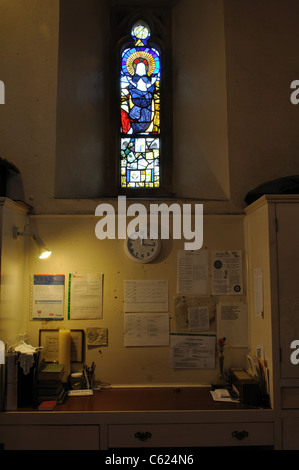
{"x":43,"y":251}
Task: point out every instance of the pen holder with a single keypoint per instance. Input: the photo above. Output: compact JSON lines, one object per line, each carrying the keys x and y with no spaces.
{"x":88,"y":376}
{"x":76,"y":381}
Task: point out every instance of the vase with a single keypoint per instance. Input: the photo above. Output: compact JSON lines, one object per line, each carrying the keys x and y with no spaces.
{"x":221,"y":379}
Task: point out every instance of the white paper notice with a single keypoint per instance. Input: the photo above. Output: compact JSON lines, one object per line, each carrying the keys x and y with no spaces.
{"x":192,"y":351}
{"x":85,"y":296}
{"x":258,"y":292}
{"x":146,"y":296}
{"x":47,"y":297}
{"x":146,"y":329}
{"x":192,"y":272}
{"x":227,"y":273}
{"x":194,"y":314}
{"x":198,"y":318}
{"x":232,"y":323}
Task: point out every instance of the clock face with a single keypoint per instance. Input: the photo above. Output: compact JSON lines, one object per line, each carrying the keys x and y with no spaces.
{"x":142,"y":250}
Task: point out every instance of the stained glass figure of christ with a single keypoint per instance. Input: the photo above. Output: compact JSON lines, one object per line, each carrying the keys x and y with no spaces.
{"x":140,"y":112}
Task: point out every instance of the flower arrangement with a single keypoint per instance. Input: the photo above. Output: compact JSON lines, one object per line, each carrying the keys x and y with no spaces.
{"x":221,"y":344}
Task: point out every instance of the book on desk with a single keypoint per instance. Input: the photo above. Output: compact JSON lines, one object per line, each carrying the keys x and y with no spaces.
{"x":49,"y":385}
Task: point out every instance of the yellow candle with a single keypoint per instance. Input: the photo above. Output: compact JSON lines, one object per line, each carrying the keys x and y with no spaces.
{"x":64,"y":355}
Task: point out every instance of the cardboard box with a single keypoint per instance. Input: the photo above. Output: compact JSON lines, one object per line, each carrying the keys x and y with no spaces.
{"x":246,"y":386}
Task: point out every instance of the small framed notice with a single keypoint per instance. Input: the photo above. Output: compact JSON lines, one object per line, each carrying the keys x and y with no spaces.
{"x":50,"y":340}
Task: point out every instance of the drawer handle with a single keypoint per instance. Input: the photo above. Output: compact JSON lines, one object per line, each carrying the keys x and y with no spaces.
{"x":143,"y":436}
{"x":240,"y":435}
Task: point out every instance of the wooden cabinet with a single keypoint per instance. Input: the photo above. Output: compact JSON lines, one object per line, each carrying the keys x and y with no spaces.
{"x":137,"y":430}
{"x":272,"y":233}
{"x":287,"y":217}
{"x":113,"y":419}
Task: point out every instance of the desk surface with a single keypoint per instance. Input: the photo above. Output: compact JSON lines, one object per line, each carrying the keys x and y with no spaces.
{"x":120,"y":417}
{"x":147,"y":399}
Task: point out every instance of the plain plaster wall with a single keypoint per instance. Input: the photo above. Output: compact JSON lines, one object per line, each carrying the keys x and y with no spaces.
{"x":76,"y":249}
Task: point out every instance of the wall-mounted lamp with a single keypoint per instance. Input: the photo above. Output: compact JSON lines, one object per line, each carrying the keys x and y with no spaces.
{"x":43,"y":251}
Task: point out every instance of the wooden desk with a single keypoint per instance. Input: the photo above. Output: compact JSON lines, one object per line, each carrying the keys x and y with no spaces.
{"x":147,"y":399}
{"x":138,"y":418}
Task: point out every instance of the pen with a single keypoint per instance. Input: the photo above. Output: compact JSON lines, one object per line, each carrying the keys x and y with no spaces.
{"x":85,"y":376}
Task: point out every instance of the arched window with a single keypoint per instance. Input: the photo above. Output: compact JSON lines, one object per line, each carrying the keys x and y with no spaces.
{"x":139,"y":120}
{"x":140,"y":111}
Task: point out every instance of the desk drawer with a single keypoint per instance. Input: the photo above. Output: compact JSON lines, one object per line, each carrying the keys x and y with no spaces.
{"x":43,"y":437}
{"x":190,"y":435}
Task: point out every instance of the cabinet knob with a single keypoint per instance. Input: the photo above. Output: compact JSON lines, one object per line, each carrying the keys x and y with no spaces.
{"x":240,"y":435}
{"x":143,"y":436}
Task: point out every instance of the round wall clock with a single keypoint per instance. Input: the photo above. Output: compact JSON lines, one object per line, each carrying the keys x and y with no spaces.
{"x":142,"y":250}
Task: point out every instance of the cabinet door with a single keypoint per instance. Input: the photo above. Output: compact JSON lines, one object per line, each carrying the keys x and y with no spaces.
{"x":49,"y":437}
{"x":290,"y":430}
{"x":287,"y":215}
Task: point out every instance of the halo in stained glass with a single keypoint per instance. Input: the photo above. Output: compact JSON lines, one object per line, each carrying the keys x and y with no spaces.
{"x":149,"y":56}
{"x":144,"y":56}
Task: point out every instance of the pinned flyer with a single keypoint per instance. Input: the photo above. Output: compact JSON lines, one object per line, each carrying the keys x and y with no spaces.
{"x":227,"y":273}
{"x":47,"y":296}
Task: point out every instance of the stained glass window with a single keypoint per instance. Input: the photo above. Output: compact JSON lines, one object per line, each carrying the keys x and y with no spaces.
{"x":140,"y":112}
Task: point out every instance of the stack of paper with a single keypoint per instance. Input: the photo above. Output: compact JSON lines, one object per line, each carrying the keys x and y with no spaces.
{"x":222,"y":394}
